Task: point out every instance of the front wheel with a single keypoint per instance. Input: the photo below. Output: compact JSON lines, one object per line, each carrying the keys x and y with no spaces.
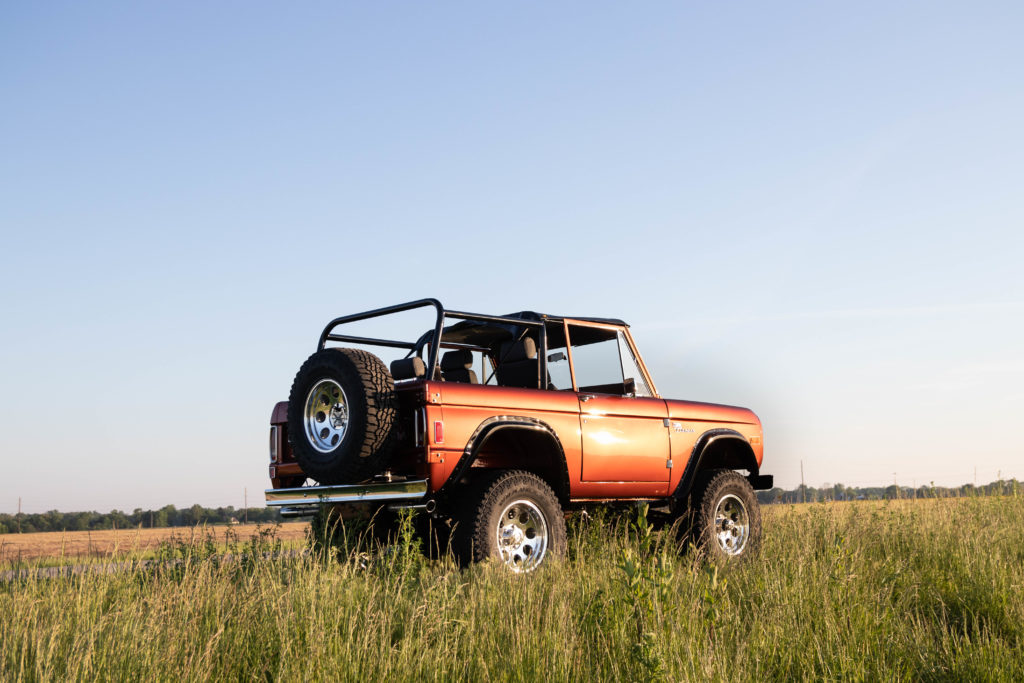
{"x":727,"y":517}
{"x":513,"y":517}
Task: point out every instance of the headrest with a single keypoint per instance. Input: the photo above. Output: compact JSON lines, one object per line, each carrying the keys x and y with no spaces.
{"x":408,"y":368}
{"x":526,"y":349}
{"x":462,"y":359}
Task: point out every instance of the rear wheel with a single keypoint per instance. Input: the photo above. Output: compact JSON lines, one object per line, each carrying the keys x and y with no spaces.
{"x":512,"y":517}
{"x":726,"y":517}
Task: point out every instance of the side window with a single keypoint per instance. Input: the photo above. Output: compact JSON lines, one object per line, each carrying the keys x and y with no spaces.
{"x":631,"y":369}
{"x":559,"y":376}
{"x":604,"y":363}
{"x":595,"y":359}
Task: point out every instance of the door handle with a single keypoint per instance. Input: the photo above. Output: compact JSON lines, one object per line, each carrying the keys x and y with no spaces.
{"x":586,"y":397}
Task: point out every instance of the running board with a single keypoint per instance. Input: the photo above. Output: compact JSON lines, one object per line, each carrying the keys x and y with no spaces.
{"x":306,"y":500}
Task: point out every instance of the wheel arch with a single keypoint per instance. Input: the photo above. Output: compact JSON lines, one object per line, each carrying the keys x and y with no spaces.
{"x":719,"y":449}
{"x":524,"y":435}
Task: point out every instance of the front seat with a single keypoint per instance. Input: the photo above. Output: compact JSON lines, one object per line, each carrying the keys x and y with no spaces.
{"x":518,"y":366}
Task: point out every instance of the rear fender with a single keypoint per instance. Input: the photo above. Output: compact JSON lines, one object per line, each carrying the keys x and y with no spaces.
{"x":541,"y":439}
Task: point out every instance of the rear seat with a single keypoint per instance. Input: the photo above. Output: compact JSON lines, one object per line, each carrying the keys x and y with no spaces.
{"x":408,"y":368}
{"x":456,"y":367}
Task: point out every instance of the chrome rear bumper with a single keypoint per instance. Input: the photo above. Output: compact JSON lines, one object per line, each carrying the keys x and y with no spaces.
{"x":306,"y":500}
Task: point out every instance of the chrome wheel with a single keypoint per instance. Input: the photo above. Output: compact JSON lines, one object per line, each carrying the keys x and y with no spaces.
{"x":732,"y":525}
{"x":326,"y":415}
{"x":522,"y":536}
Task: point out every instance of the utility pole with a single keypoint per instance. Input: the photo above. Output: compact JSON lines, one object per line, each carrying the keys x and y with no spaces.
{"x":803,"y":489}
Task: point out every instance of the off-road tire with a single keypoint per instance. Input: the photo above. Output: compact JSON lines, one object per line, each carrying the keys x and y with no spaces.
{"x":518,"y":501}
{"x":372,"y":408}
{"x":724,"y":505}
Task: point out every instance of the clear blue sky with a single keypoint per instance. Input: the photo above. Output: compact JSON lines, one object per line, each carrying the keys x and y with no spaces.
{"x":813,"y":210}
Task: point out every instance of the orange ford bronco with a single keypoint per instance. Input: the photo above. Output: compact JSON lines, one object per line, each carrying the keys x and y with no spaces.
{"x":499,"y":425}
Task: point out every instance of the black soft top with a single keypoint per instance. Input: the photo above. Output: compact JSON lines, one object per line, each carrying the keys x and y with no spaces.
{"x":491,"y":333}
{"x":533,"y":315}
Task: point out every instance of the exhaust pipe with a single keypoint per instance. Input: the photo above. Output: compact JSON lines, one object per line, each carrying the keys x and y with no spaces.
{"x":427,"y":507}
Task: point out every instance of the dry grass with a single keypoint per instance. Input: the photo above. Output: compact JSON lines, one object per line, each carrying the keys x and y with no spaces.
{"x":118,"y":542}
{"x":894,"y":591}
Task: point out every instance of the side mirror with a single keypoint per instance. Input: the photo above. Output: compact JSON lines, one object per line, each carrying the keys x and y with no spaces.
{"x":556,"y":356}
{"x":629,"y":387}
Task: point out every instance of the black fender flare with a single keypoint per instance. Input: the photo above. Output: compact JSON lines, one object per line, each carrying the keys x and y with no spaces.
{"x":701,"y":448}
{"x":494,"y":424}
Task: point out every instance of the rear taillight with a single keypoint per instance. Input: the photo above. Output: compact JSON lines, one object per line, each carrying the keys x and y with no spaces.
{"x":273,"y":444}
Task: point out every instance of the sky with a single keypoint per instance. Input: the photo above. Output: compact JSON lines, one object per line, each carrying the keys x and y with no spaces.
{"x":810,"y":209}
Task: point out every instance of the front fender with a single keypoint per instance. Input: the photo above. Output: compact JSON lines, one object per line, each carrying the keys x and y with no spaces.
{"x":719,"y":449}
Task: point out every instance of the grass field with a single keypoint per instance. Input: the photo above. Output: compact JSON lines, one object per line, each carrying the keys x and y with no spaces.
{"x":925,"y":590}
{"x":117,"y":543}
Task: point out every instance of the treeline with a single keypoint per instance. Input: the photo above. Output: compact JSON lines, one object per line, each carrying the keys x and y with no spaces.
{"x":810,"y":494}
{"x":167,"y":516}
{"x":170,"y":516}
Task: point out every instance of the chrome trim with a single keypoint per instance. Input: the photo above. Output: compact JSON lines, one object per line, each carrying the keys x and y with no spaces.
{"x":299,"y":511}
{"x":348,"y":493}
{"x":326,"y":416}
{"x":521,"y":535}
{"x":732,"y":525}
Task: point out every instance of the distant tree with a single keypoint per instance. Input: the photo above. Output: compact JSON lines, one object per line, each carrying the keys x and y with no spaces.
{"x":194,"y":515}
{"x":51,"y":520}
{"x":118,"y":520}
{"x":165,"y":516}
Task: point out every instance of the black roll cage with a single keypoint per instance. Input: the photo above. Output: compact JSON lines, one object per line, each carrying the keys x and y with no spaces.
{"x":434,"y":337}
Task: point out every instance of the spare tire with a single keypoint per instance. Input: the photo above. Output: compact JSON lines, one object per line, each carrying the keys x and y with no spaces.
{"x":342,"y":416}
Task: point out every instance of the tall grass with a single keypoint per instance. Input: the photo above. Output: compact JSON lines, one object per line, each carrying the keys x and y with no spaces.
{"x":928,"y":590}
